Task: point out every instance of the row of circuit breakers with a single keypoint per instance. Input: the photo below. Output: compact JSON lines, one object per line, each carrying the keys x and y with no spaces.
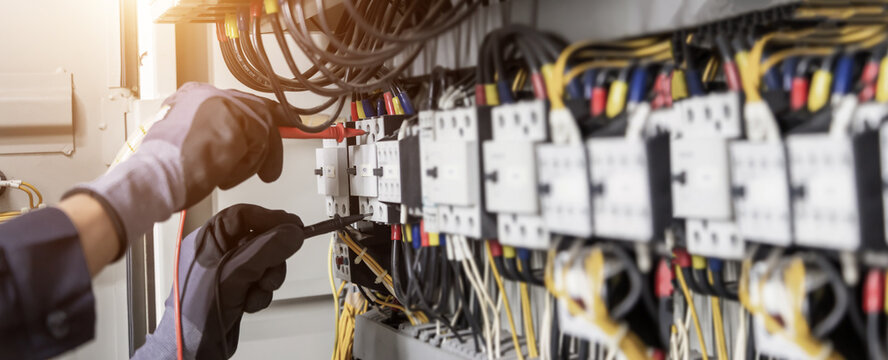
{"x":492,"y":172}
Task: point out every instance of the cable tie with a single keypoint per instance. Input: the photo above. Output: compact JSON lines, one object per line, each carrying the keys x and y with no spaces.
{"x":360,"y":256}
{"x":381,"y":276}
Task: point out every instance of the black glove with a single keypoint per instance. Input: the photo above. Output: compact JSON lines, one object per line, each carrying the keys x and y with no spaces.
{"x":229,"y":266}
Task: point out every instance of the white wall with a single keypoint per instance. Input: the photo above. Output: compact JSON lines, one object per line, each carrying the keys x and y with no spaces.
{"x":40,"y":36}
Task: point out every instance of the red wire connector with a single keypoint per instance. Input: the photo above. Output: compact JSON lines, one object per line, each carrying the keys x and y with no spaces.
{"x":338,"y":132}
{"x":873,"y":292}
{"x":495,"y":248}
{"x":681,"y":258}
{"x":424,"y":235}
{"x":663,"y":288}
{"x":396,"y":232}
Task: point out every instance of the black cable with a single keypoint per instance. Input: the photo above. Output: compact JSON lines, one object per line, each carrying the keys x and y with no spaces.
{"x":582,"y":349}
{"x":873,"y":344}
{"x":527,"y":273}
{"x":841,"y":301}
{"x":718,"y":284}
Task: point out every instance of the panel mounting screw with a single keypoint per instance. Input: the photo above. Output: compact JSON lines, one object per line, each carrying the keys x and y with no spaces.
{"x":68,"y":150}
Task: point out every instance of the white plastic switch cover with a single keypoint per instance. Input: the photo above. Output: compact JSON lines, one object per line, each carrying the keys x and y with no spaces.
{"x":456,"y":178}
{"x":621,"y":195}
{"x":822,"y":178}
{"x":524,"y":120}
{"x":700,"y":179}
{"x":362,"y":161}
{"x":564,"y":189}
{"x":332,"y":179}
{"x":760,"y":192}
{"x":712,"y":238}
{"x":388,"y":159}
{"x":510,"y":177}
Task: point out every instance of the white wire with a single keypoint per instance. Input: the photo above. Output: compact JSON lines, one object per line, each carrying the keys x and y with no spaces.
{"x":740,"y":344}
{"x":475,"y":279}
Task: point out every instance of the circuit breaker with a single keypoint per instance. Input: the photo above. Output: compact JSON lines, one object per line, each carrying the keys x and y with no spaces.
{"x":835,"y":190}
{"x":510,"y":174}
{"x":760,"y":192}
{"x":455,"y":172}
{"x":426,"y":172}
{"x":564,"y":189}
{"x":630,"y":187}
{"x":699,"y":155}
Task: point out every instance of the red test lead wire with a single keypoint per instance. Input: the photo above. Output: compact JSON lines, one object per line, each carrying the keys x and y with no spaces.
{"x":177,"y":306}
{"x":338,"y":132}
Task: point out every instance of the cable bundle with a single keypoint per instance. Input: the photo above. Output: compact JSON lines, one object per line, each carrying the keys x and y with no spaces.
{"x":366,"y":38}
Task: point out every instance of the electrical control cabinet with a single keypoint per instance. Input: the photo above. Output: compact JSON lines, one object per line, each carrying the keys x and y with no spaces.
{"x":835,"y":191}
{"x":454,"y":172}
{"x":510,"y":176}
{"x":630,"y":187}
{"x":564,"y":189}
{"x":760,"y":192}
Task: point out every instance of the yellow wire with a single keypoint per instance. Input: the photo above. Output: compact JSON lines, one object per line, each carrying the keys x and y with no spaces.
{"x":693,"y":310}
{"x":532,"y":350}
{"x":34,"y":189}
{"x":499,"y":284}
{"x":720,"y":343}
{"x":335,"y":296}
{"x":781,"y":55}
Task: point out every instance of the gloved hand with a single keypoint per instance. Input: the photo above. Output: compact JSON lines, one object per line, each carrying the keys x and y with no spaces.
{"x":208,"y":138}
{"x":242,"y":249}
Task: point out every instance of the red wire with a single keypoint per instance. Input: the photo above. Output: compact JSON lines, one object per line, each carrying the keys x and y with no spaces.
{"x":178,"y":312}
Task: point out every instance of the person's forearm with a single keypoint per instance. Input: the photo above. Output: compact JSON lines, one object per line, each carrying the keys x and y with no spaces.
{"x":97,"y":235}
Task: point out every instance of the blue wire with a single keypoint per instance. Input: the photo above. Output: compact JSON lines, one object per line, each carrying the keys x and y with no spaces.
{"x":523,"y":254}
{"x":788,"y":69}
{"x":574,"y":87}
{"x":380,"y":107}
{"x":843,"y":73}
{"x":505,"y":94}
{"x":715,"y":264}
{"x":368,"y":109}
{"x":417,"y":237}
{"x":772,"y":78}
{"x":442,"y":239}
{"x":589,"y":83}
{"x":405,"y":103}
{"x":694,"y":82}
{"x":637,"y":88}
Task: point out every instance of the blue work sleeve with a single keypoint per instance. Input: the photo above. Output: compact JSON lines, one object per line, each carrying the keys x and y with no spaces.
{"x":46,"y":300}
